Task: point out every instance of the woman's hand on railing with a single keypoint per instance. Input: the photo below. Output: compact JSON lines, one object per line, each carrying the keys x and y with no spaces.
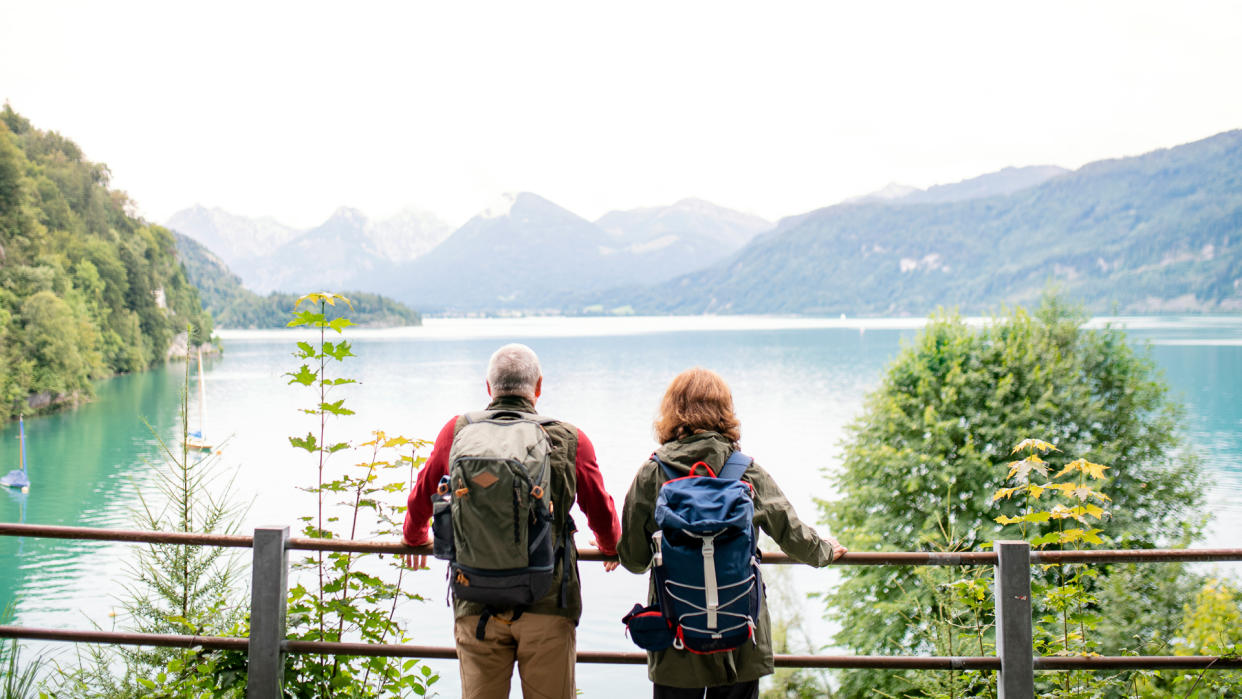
{"x":609,"y":566}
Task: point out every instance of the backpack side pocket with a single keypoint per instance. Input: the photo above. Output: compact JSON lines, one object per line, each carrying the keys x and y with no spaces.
{"x":442,"y":522}
{"x":648,"y":628}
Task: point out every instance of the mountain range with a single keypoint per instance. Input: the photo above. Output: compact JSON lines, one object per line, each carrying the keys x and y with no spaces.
{"x":522,"y":253}
{"x":1157,"y":232}
{"x":233,"y":306}
{"x":345,"y":251}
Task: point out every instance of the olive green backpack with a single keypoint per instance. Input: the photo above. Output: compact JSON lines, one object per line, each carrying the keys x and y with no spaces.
{"x":497,"y":495}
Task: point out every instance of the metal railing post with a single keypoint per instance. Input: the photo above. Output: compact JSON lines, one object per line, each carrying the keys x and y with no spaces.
{"x":268,"y":599}
{"x":1016,"y":679}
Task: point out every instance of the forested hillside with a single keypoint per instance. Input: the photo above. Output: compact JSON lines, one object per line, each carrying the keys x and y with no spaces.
{"x":87,"y":290}
{"x":234,"y":306}
{"x":1160,"y":232}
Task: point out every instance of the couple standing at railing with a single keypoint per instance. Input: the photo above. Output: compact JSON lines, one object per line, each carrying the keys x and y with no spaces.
{"x":529,"y":616}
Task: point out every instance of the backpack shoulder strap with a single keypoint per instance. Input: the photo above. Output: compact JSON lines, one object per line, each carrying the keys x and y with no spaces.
{"x":735,"y":466}
{"x":669,"y":473}
{"x":472,"y":417}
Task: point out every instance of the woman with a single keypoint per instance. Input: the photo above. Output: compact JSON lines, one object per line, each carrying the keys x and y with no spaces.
{"x":696,"y":423}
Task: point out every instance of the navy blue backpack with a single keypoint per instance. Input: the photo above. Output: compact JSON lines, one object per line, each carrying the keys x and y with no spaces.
{"x":706,"y":563}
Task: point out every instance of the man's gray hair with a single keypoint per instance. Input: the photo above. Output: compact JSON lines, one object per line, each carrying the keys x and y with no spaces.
{"x":514,"y":370}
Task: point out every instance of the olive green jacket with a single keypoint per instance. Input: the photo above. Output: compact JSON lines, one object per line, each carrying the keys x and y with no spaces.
{"x":773,"y":514}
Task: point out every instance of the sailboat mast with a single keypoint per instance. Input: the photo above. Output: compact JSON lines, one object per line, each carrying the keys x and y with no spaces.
{"x":21,"y":440}
{"x":202,"y":397}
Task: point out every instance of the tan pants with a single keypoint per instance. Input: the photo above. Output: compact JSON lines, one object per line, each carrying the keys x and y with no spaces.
{"x":544,"y":646}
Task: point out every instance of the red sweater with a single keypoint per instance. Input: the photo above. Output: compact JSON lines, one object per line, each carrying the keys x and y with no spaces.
{"x":594,"y":501}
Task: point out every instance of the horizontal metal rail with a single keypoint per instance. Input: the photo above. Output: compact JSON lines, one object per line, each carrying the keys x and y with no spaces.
{"x":47,"y":531}
{"x":888,"y":662}
{"x":1137,"y":556}
{"x":120,"y":638}
{"x":866,"y":558}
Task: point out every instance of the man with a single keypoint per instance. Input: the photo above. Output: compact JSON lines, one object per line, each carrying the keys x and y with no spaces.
{"x":541,"y":637}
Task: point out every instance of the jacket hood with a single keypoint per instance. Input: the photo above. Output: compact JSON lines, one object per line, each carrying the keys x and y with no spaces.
{"x":709,"y":447}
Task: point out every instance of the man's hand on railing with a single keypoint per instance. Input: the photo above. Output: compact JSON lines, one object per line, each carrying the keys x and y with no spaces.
{"x":837,"y":549}
{"x":416,"y":561}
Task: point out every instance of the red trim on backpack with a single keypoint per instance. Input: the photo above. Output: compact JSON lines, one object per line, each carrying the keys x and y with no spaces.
{"x":705,"y":467}
{"x":750,"y":632}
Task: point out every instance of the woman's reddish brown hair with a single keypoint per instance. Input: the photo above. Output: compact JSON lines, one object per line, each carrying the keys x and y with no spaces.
{"x":697,"y":400}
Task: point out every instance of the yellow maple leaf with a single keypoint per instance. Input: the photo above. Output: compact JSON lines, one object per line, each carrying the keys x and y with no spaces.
{"x":1005,"y":493}
{"x":1096,"y":471}
{"x":1024,"y":467}
{"x":1033,"y":445}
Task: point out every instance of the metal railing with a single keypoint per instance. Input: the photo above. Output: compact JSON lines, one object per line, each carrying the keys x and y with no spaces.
{"x":1014,"y":662}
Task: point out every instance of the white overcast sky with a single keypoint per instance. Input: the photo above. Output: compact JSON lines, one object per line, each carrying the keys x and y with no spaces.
{"x":293,"y":109}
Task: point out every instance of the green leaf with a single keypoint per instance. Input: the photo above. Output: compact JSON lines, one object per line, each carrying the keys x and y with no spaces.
{"x":303,"y":376}
{"x":310,"y":318}
{"x":1050,"y":538}
{"x":338,"y":351}
{"x":1090,"y":536}
{"x":309,"y":443}
{"x":336,"y":408}
{"x":1035,"y":517}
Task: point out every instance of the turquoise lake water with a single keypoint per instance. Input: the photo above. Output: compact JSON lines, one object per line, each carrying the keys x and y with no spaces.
{"x":605,"y":375}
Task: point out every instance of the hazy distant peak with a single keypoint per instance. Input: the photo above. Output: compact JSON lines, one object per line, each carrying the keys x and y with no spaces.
{"x":501,"y":206}
{"x":216,"y":213}
{"x":1004,"y":181}
{"x":349,"y":215}
{"x":891,"y":191}
{"x":696,"y":204}
{"x":229,"y":235}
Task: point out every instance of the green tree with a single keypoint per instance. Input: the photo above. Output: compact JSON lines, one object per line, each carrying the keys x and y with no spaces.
{"x":52,"y":340}
{"x":175,"y":588}
{"x":86,"y":289}
{"x":923,"y":455}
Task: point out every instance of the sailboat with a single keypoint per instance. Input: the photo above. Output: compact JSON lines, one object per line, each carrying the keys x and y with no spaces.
{"x":196,"y":439}
{"x":17,"y":478}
